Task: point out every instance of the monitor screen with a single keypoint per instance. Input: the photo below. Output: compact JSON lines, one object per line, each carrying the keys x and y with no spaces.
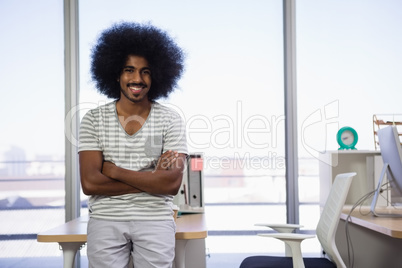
{"x":391,"y":153}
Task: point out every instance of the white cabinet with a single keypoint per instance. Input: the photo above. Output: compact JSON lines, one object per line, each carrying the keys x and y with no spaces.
{"x":367,"y":165}
{"x":196,"y":254}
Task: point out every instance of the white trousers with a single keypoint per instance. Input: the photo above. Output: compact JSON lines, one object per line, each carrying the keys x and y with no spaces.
{"x":151,"y":244}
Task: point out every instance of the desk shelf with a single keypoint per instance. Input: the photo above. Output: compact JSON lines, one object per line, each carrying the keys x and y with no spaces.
{"x":383,"y":120}
{"x":367,"y":165}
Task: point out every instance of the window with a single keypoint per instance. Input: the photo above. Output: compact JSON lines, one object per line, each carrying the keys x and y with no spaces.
{"x":348,"y":60}
{"x":32,"y":137}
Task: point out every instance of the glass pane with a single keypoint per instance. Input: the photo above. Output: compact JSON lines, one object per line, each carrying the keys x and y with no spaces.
{"x":233,"y":86}
{"x":32,"y":136}
{"x":348,"y":63}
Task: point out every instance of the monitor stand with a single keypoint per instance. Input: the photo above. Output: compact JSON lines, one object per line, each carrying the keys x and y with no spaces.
{"x":377,"y":194}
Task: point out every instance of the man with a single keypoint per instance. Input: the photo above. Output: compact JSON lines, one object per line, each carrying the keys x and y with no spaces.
{"x":132,"y":150}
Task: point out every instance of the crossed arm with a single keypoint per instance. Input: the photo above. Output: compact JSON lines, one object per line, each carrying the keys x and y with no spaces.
{"x":105,"y":178}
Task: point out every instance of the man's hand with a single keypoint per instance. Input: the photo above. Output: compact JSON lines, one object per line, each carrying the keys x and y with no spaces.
{"x":167,"y":160}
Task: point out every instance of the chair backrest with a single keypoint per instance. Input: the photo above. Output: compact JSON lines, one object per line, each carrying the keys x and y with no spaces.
{"x":329,"y":219}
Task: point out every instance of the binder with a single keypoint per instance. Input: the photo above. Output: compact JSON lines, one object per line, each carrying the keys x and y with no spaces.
{"x":195,"y":197}
{"x":190,"y":197}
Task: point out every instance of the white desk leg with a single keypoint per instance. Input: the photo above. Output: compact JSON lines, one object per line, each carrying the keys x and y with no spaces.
{"x":69,"y":251}
{"x":180,"y":251}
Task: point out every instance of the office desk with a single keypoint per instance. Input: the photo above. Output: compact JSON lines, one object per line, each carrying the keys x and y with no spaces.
{"x":377,"y":241}
{"x":72,"y":235}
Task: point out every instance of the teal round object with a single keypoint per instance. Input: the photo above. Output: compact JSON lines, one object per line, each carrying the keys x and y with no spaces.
{"x":347,"y":138}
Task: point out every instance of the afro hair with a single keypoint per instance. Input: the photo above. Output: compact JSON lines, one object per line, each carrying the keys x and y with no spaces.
{"x":115,"y":44}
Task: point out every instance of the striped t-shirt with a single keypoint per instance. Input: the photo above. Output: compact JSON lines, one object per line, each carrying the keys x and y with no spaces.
{"x":163,"y":130}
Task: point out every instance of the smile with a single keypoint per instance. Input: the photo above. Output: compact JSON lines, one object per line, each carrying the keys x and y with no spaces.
{"x":135,"y":89}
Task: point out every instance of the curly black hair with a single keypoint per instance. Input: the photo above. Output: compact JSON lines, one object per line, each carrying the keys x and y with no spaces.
{"x":115,"y":44}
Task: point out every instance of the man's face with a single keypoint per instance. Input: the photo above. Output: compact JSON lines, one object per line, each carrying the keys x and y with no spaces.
{"x":135,"y":79}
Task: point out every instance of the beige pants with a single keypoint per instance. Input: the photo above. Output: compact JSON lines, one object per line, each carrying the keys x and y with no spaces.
{"x":150,"y":244}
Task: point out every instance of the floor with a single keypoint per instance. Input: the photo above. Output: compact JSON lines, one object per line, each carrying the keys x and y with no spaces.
{"x":217,"y":260}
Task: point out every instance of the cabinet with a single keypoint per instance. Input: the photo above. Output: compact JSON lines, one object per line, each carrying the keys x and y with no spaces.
{"x":367,"y":165}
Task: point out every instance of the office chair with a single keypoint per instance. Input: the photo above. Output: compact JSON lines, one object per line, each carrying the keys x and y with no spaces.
{"x":326,"y":230}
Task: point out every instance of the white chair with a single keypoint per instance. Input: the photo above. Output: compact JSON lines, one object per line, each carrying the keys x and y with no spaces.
{"x":326,"y":230}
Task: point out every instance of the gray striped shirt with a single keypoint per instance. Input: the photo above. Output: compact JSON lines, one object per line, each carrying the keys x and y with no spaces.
{"x":101,"y":130}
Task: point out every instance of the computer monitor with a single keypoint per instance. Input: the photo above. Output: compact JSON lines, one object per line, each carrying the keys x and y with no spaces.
{"x":391,"y":153}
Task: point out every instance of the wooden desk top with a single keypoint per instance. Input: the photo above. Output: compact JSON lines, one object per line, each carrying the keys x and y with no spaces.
{"x":385,"y":225}
{"x":189,"y":226}
{"x":72,"y":231}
